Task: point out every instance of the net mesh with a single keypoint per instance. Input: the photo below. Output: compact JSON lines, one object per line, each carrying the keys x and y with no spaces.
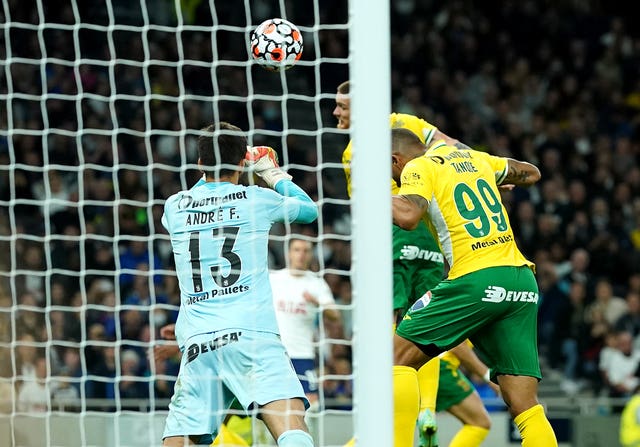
{"x":103,"y":104}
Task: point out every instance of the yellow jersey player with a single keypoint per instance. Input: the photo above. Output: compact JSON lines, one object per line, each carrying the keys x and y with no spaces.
{"x":418,"y":264}
{"x":630,"y":423}
{"x":490,"y":295}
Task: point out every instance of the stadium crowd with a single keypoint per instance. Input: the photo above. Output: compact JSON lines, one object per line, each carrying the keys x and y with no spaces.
{"x":89,"y":281}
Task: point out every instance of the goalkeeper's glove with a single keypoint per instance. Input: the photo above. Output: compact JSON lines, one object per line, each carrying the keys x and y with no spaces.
{"x":263,"y":160}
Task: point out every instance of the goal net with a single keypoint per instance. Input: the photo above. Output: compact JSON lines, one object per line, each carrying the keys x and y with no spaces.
{"x":103,"y":102}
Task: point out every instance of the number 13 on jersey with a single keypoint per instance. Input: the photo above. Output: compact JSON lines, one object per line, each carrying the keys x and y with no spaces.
{"x":206,"y":251}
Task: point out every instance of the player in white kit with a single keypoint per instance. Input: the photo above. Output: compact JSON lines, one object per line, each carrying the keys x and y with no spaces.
{"x":300,"y":298}
{"x":226,"y":327}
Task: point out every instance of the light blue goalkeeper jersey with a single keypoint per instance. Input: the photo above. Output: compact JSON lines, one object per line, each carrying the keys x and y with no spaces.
{"x":219,"y":234}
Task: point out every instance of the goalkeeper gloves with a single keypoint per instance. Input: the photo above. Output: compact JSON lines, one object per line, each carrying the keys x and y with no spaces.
{"x":263,"y":160}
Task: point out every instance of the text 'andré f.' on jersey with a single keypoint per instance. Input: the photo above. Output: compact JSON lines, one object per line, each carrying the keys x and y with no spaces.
{"x":219,"y":234}
{"x":465,"y":211}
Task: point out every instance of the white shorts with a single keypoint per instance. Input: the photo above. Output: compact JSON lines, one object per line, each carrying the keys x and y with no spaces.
{"x":251,"y":366}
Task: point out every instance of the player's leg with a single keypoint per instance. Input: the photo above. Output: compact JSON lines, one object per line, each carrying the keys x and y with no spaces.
{"x":274,"y":387}
{"x":520,"y":395}
{"x":432,"y":324}
{"x":406,"y":390}
{"x":199,"y":401}
{"x":285,"y":420}
{"x":475,"y":419}
{"x":510,"y":346}
{"x":457,"y":395}
{"x":428,"y":382}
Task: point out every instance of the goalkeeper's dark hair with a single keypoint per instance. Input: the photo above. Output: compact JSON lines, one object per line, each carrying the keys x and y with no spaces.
{"x":405,"y":142}
{"x":343,"y":88}
{"x":221,"y":147}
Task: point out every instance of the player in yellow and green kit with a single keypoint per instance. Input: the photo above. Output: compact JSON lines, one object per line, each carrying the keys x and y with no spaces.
{"x":630,"y":423}
{"x":455,"y":393}
{"x":490,"y":295}
{"x":418,"y":264}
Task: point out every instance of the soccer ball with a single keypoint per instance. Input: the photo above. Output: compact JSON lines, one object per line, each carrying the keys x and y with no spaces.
{"x":276,"y":44}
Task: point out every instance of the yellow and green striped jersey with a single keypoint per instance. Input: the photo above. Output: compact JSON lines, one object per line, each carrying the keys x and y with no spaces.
{"x":424,"y":130}
{"x":465,"y":212}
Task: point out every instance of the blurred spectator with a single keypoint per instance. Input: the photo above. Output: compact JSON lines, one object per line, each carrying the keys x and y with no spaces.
{"x":130,"y":385}
{"x":34,"y":393}
{"x":338,"y":385}
{"x":29,"y":316}
{"x":102,"y":386}
{"x":27,"y":354}
{"x":621,"y":366}
{"x":612,"y":307}
{"x":569,"y":337}
{"x":136,"y":256}
{"x":630,"y":320}
{"x":66,"y":387}
{"x":7,"y":396}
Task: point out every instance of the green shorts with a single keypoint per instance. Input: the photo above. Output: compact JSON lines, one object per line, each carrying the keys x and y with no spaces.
{"x":496,"y":308}
{"x":453,"y":387}
{"x":418,"y":265}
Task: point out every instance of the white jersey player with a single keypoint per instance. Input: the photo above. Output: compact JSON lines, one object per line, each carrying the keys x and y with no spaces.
{"x":300,"y":296}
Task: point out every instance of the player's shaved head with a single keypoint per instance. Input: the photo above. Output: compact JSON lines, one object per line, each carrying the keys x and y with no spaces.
{"x":406,"y":143}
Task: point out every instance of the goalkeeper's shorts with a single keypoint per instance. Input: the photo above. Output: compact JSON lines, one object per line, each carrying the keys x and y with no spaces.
{"x":252,"y":367}
{"x":496,"y":308}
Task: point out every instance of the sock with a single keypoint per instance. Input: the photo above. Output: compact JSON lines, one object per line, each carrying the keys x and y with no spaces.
{"x":227,"y":438}
{"x":428,"y":378}
{"x":535,"y":428}
{"x":469,"y":436}
{"x":295,"y":438}
{"x":406,"y":405}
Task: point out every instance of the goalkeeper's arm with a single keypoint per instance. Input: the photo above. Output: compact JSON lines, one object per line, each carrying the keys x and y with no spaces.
{"x":263,"y":161}
{"x":308,"y":211}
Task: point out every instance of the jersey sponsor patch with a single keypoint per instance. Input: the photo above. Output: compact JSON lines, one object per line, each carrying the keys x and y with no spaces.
{"x":411,"y":252}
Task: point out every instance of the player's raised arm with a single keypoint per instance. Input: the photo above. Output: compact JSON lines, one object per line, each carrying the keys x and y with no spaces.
{"x":521,"y":173}
{"x":263,"y":161}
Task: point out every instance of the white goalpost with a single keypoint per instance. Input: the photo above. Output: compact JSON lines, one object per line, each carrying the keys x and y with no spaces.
{"x":371,"y":208}
{"x":102,"y":106}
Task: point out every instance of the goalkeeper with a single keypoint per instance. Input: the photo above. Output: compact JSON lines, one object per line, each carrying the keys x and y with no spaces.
{"x":226,"y":327}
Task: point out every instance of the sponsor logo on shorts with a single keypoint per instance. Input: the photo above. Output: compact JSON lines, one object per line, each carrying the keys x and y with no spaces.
{"x":196,"y":349}
{"x":497,"y":294}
